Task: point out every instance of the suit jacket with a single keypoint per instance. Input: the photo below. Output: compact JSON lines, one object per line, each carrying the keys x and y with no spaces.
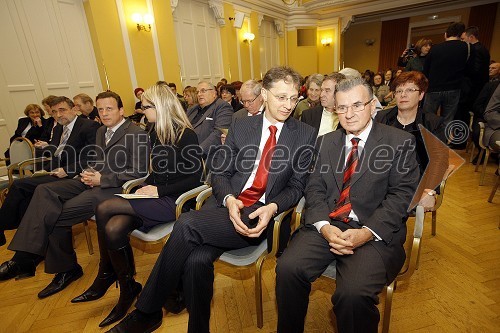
{"x":381,"y":191}
{"x":72,"y":160}
{"x":47,"y":130}
{"x":125,"y":157}
{"x":34,"y":133}
{"x":218,"y":115}
{"x":312,"y":117}
{"x":242,"y":113}
{"x":234,"y":161}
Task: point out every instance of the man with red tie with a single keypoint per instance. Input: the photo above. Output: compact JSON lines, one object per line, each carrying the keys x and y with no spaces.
{"x":357,"y":200}
{"x":260,"y":172}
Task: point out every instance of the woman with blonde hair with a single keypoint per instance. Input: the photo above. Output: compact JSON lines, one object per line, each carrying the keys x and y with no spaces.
{"x":176,"y":167}
{"x":191,"y":96}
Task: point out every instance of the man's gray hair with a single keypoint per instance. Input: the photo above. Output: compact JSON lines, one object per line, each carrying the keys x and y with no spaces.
{"x":350,"y":73}
{"x":210,"y":84}
{"x":348,"y":84}
{"x":253,"y":85}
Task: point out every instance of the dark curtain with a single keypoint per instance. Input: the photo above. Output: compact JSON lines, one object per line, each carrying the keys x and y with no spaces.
{"x":484,"y":18}
{"x":392,"y":42}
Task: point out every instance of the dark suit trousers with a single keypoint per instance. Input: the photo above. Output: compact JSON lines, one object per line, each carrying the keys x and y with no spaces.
{"x":18,"y":198}
{"x":45,"y":229}
{"x":360,"y":278}
{"x":198,"y":239}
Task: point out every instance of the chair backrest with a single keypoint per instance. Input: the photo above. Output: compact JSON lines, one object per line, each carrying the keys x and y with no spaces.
{"x":21,"y":149}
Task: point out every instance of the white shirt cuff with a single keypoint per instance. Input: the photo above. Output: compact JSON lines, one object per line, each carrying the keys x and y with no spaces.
{"x":377,"y":237}
{"x":320,"y":224}
{"x":225,"y":198}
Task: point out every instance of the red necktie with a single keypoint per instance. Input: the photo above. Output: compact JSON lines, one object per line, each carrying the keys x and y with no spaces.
{"x":343,"y":207}
{"x":252,"y":194}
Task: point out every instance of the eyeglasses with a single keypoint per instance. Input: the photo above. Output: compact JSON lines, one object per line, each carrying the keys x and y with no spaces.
{"x":203,"y":90}
{"x":146,"y":107}
{"x":251,"y":101}
{"x":407,"y":91}
{"x":283,"y":99}
{"x":356,"y":107}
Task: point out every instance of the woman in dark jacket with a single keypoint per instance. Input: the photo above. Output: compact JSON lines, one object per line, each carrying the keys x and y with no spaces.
{"x":176,"y":168}
{"x":409,"y":89}
{"x":416,"y":63}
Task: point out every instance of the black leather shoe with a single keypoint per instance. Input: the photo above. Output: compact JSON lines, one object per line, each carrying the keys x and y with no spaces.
{"x":11,"y":269}
{"x":138,"y":322}
{"x":97,"y":289}
{"x":61,"y":281}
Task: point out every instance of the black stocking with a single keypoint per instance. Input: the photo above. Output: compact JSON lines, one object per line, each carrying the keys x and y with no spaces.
{"x":116,"y":219}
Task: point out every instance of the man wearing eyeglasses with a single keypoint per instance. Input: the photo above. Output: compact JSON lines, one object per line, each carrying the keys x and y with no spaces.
{"x":356,"y":207}
{"x":260,"y":172}
{"x":323,"y":117}
{"x":209,"y":115}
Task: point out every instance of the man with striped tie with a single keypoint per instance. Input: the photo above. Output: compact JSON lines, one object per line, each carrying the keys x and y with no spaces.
{"x":357,"y":200}
{"x":248,"y":190}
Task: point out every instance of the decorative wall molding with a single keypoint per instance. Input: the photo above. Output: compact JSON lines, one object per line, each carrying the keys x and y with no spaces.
{"x":346,"y":23}
{"x":280,"y":27}
{"x":173,"y":4}
{"x":218,"y":9}
{"x":260,"y":17}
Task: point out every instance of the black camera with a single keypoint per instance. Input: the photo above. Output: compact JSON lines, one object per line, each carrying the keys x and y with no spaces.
{"x":411,"y":50}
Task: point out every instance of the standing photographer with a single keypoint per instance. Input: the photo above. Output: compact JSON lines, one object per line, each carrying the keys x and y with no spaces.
{"x":416,"y":63}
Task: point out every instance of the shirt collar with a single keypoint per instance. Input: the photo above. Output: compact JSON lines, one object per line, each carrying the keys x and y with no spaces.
{"x":117,"y":126}
{"x":266,"y":123}
{"x":363,"y":136}
{"x":71,"y":124}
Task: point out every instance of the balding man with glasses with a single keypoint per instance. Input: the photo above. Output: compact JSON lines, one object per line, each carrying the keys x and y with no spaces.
{"x":209,"y":116}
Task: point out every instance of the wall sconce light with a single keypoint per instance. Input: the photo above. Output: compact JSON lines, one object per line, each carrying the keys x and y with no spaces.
{"x":369,"y":42}
{"x":147,"y":19}
{"x":326,"y":41}
{"x":248,"y":37}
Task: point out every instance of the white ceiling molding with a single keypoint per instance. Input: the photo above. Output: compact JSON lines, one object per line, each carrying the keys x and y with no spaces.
{"x":280,"y":27}
{"x":173,"y":4}
{"x":218,"y":9}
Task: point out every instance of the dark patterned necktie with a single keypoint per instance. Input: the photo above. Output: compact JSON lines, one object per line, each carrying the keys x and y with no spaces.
{"x":252,"y":194}
{"x":64,"y":140}
{"x":343,"y":207}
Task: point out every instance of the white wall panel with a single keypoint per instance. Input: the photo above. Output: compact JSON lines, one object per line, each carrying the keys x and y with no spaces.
{"x":269,"y":46}
{"x":198,"y":42}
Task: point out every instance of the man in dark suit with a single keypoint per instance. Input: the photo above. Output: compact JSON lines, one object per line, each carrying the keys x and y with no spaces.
{"x":247,"y":192}
{"x":85,"y":105}
{"x":210,"y":114}
{"x":66,"y":160}
{"x":356,"y":208}
{"x":121,"y":154}
{"x":323,"y":118}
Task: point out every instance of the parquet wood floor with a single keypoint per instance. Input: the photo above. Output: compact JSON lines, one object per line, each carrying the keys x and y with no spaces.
{"x":456,"y":289}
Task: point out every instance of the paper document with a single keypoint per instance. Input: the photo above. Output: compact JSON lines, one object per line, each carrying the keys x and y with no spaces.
{"x":136,"y":196}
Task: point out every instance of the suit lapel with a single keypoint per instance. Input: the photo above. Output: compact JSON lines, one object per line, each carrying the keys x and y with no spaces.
{"x":75,"y":131}
{"x":317,"y":116}
{"x":337,"y":160}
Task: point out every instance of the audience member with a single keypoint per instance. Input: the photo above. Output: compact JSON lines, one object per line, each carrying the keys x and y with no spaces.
{"x":380,"y":90}
{"x":228,"y":94}
{"x":240,"y":210}
{"x":491,"y":136}
{"x":183,"y":102}
{"x":313,"y":89}
{"x":251,"y":99}
{"x":138,"y":93}
{"x":121,"y":154}
{"x":85,"y":105}
{"x":323,"y":117}
{"x":409,"y":90}
{"x":445,"y":67}
{"x":210,"y":114}
{"x":422,"y":48}
{"x":176,"y":168}
{"x":355,"y":215}
{"x":50,"y":123}
{"x":190,"y":96}
{"x":71,"y":136}
{"x":388,"y":77}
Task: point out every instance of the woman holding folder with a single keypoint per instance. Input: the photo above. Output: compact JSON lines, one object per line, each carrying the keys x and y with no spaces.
{"x":176,"y":168}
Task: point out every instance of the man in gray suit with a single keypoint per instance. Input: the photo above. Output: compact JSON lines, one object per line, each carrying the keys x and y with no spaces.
{"x":209,"y":115}
{"x":357,"y":200}
{"x":248,"y":190}
{"x":121,"y":154}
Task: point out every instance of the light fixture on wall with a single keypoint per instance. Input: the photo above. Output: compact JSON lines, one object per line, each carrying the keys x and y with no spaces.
{"x":369,"y":41}
{"x":326,"y":41}
{"x":139,"y":19}
{"x":248,"y":37}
